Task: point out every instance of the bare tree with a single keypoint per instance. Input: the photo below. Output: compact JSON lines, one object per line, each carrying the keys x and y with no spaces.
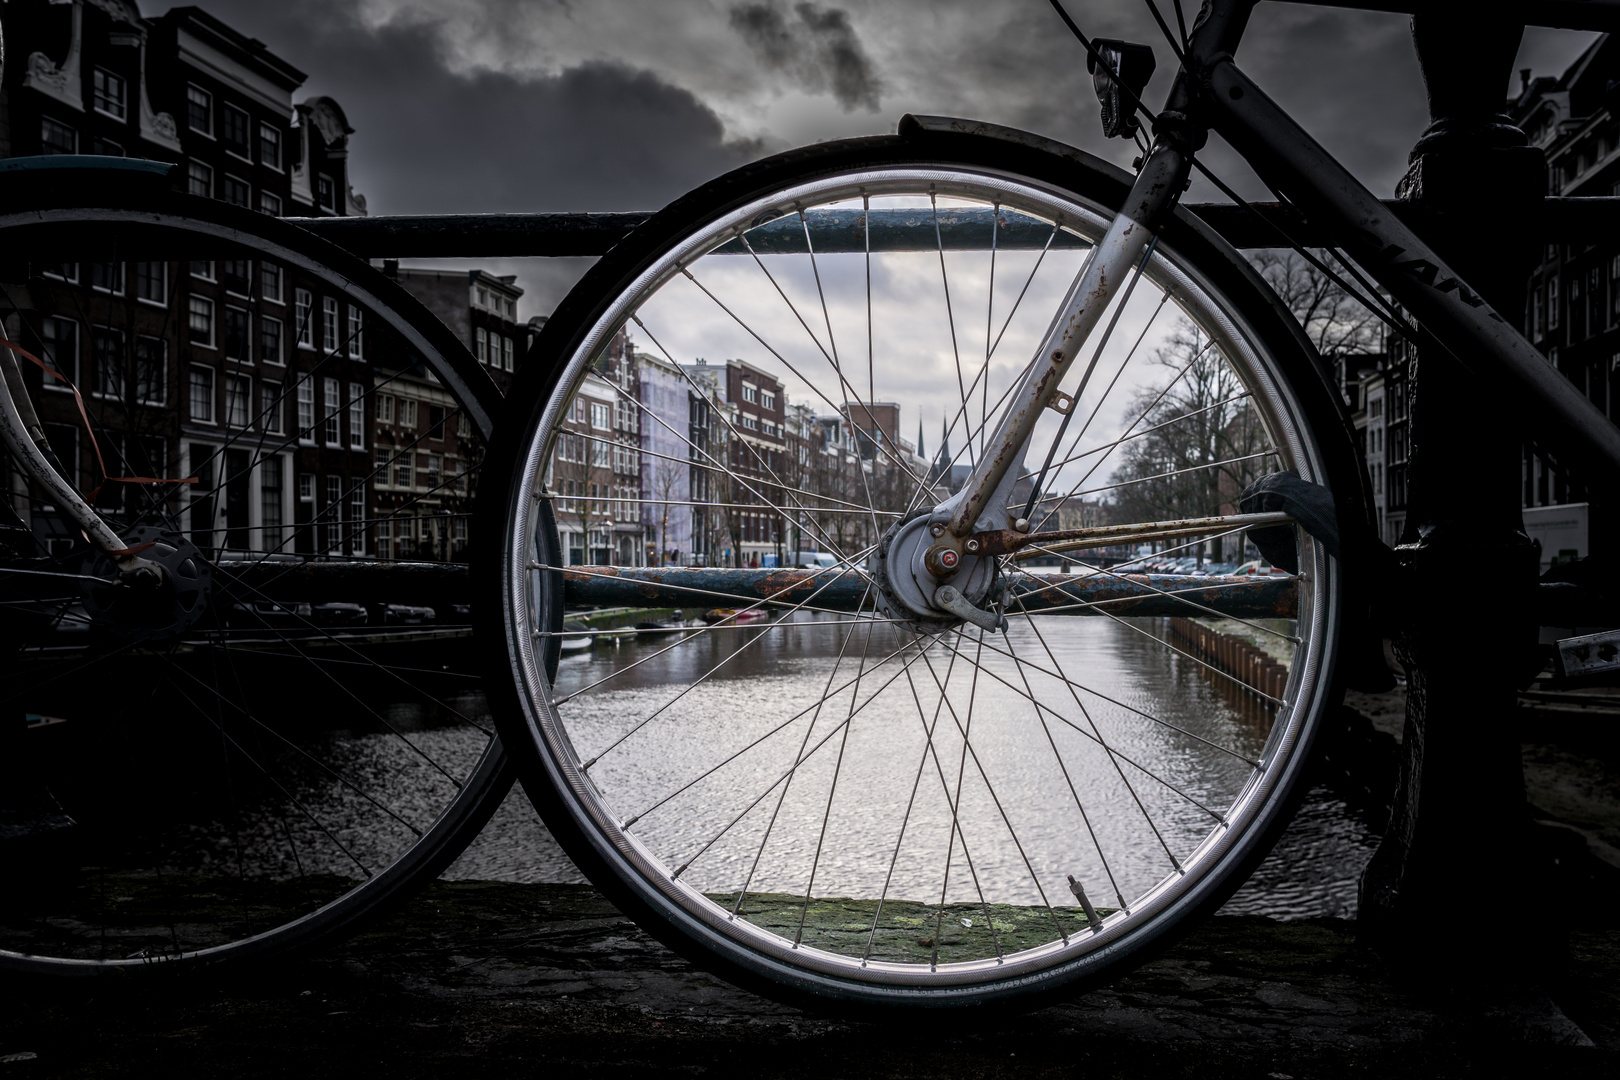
{"x":1336,"y":322}
{"x":1205,"y":453}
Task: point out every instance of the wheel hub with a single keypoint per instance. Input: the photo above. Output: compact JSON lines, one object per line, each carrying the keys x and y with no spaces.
{"x":148,"y":604}
{"x":909,"y":567}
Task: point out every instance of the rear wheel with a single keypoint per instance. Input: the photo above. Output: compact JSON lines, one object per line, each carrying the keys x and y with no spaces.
{"x":845,"y":802}
{"x":289,"y":731}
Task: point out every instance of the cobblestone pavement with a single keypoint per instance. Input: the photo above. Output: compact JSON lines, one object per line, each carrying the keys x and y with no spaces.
{"x":551,"y":980}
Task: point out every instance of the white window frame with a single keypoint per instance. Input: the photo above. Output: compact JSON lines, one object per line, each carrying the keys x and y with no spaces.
{"x":269,"y":271}
{"x":357,"y":417}
{"x":272,"y":409}
{"x":120,"y":109}
{"x":193,"y":93}
{"x":200,"y":306}
{"x":306,"y":411}
{"x":280,"y":358}
{"x":192,"y":383}
{"x":238,"y":392}
{"x":199,"y":171}
{"x":163,"y":278}
{"x":276,"y":164}
{"x":163,"y":370}
{"x":357,"y":332}
{"x":331,"y":412}
{"x":329,"y":325}
{"x":304,"y":318}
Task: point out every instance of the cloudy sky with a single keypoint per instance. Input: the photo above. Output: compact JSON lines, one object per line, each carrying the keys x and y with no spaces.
{"x":513,"y":105}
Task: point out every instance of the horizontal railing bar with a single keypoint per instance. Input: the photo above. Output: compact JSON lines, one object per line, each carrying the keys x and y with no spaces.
{"x":834,"y":590}
{"x":1560,"y":220}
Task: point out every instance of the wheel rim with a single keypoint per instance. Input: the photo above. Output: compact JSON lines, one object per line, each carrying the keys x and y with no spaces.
{"x":622,"y":759}
{"x":262,"y":774}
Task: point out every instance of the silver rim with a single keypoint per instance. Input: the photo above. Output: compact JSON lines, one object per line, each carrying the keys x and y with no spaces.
{"x":609,"y":739}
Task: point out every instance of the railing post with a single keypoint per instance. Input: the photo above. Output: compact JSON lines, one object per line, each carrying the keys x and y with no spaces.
{"x":1457,"y":858}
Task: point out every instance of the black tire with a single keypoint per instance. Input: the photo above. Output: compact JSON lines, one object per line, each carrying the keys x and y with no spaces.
{"x":224,"y":787}
{"x":550,"y":769}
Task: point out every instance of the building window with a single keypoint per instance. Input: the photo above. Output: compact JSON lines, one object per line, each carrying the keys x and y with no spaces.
{"x":357,"y":330}
{"x":59,"y":339}
{"x":199,"y":179}
{"x":357,"y":520}
{"x":431,"y":465}
{"x":601,"y":416}
{"x":270,"y":146}
{"x":152,"y":282}
{"x":402,"y":470}
{"x":325,"y":192}
{"x":270,"y":340}
{"x":750,"y":392}
{"x":506,"y":351}
{"x":270,"y":282}
{"x":767,"y":401}
{"x":270,"y":512}
{"x":1552,"y":303}
{"x":203,"y":270}
{"x":303,"y":304}
{"x":385,"y":408}
{"x":107,"y":353}
{"x":237,"y":275}
{"x":151,"y":370}
{"x":238,"y":392}
{"x":334,"y":503}
{"x":107,"y":276}
{"x":333,"y":411}
{"x":329,"y":324}
{"x":235,"y":191}
{"x":306,"y":488}
{"x":200,"y":110}
{"x":407,"y":412}
{"x":481,"y":345}
{"x":306,"y":410}
{"x":750,"y":421}
{"x":270,"y":407}
{"x":108,"y":93}
{"x":106,"y":147}
{"x":236,"y":334}
{"x":234,"y":130}
{"x":385,"y":534}
{"x":57,"y":138}
{"x":357,"y":417}
{"x":200,"y":324}
{"x":202,"y":395}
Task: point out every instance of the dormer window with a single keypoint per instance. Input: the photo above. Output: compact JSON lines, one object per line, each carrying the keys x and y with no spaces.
{"x":325,"y":192}
{"x":108,"y":93}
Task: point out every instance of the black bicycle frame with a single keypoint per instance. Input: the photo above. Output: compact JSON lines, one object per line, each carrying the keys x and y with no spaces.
{"x":1211,"y":93}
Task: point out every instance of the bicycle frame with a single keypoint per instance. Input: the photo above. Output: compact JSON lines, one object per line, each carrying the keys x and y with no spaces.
{"x":1211,"y":93}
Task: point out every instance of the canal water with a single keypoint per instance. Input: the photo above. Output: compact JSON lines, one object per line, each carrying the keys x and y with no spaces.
{"x":1312,"y":871}
{"x":659,"y":770}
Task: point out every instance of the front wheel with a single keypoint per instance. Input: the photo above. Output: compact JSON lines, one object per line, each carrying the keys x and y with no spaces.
{"x":782,"y":772}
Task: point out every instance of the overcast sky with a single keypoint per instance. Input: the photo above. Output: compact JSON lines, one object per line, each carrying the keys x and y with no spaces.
{"x":513,"y":105}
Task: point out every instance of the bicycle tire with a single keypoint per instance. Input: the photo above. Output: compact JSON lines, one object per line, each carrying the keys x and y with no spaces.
{"x":268,"y":771}
{"x":591,"y":805}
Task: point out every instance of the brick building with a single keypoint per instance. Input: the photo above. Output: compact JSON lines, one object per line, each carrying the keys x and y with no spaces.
{"x":237,"y":371}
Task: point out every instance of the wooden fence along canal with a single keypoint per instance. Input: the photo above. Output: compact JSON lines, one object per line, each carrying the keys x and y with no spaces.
{"x":1236,"y":656}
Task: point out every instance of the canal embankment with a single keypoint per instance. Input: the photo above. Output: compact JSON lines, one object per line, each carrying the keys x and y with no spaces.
{"x":550,"y":980}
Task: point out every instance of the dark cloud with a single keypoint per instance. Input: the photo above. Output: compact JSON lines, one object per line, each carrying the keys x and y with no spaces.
{"x":595,"y":136}
{"x":819,"y":49}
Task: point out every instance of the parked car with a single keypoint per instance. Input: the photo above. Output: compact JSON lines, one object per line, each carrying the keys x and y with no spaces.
{"x":812,"y":560}
{"x":338,"y":613}
{"x":1255,"y":567}
{"x":407,"y":615}
{"x":268,"y":615}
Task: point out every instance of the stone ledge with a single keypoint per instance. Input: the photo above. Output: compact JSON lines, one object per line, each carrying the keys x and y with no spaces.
{"x":506,"y":976}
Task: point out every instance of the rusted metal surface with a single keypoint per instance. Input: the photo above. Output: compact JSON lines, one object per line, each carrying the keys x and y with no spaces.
{"x":1272,"y":597}
{"x":1006,"y":541}
{"x":832,"y":590}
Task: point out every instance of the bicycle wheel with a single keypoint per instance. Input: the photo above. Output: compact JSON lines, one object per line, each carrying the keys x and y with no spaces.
{"x":288,"y":732}
{"x":849,"y":803}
